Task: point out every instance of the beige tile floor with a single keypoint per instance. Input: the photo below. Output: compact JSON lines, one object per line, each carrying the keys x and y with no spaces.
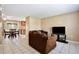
{"x":20,"y":45}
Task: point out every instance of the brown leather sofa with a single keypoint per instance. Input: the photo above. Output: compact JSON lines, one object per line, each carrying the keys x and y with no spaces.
{"x":40,"y":41}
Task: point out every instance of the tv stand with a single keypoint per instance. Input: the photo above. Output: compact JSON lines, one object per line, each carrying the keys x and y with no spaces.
{"x":61,"y":38}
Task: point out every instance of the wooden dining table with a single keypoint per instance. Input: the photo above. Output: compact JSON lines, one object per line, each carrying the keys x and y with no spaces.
{"x":11,"y":33}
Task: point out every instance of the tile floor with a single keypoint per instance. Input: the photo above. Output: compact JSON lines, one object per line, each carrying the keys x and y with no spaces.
{"x":20,"y":45}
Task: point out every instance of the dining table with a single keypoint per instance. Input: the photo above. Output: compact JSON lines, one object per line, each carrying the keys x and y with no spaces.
{"x":11,"y":33}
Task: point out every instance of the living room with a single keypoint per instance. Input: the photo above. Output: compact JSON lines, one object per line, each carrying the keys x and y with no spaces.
{"x":44,"y":18}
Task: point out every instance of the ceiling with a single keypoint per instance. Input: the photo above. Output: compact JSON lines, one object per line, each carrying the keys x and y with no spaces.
{"x":38,"y":10}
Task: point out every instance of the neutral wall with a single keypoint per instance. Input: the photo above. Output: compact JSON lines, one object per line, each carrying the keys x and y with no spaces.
{"x":34,"y":23}
{"x":27,"y":25}
{"x":70,"y":21}
{"x":1,"y":30}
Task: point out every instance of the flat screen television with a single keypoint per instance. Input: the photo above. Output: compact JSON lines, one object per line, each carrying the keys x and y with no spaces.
{"x":58,"y":30}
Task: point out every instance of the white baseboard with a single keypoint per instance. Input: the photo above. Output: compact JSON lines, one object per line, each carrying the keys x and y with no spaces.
{"x":73,"y":41}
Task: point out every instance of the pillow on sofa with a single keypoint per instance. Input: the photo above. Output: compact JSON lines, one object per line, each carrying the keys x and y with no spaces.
{"x":34,"y":32}
{"x":44,"y":35}
{"x":39,"y":32}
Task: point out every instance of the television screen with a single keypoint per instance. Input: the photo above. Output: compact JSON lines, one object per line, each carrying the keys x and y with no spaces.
{"x":58,"y":30}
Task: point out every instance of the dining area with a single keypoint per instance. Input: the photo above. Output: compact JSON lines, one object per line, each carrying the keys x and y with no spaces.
{"x":10,"y":29}
{"x":13,"y":29}
{"x":11,"y":33}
